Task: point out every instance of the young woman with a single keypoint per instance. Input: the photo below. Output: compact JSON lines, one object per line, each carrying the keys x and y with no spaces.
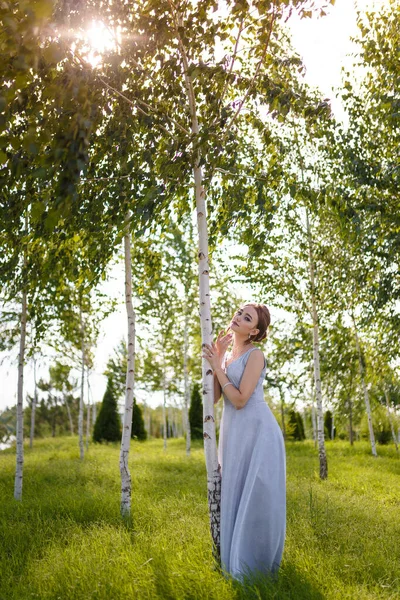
{"x":251,"y":450}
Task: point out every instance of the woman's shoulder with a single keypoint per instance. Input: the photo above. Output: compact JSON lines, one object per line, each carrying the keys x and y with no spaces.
{"x":256,"y":356}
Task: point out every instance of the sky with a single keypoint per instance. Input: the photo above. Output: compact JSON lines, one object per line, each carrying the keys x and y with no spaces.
{"x":324,"y":45}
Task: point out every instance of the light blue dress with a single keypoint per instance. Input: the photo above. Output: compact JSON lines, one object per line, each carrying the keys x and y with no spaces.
{"x":253,"y":495}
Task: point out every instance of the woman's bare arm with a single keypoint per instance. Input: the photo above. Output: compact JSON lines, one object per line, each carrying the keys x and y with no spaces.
{"x":217,"y":389}
{"x":239,"y":396}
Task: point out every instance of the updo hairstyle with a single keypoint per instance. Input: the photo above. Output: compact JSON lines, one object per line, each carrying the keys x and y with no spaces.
{"x":264,"y":319}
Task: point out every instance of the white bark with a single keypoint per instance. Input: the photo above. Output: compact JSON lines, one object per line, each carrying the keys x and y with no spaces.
{"x":71,"y":424}
{"x":164,"y":412}
{"x":87,"y":424}
{"x":323,"y":463}
{"x":350,"y":421}
{"x":314,"y":422}
{"x":389,"y":414}
{"x":186,"y":383}
{"x":209,"y":432}
{"x":34,"y":404}
{"x":81,"y":399}
{"x":20,"y":413}
{"x":282,"y":396}
{"x":126,"y":487}
{"x":365,"y":390}
{"x":89,"y":411}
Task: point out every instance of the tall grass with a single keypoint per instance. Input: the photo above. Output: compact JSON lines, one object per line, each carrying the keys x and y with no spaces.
{"x":66,"y":539}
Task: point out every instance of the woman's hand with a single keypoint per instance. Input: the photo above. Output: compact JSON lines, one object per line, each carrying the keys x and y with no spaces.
{"x":222,"y":343}
{"x":210,"y":352}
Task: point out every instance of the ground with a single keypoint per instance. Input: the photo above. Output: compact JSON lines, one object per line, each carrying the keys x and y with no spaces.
{"x":66,"y":540}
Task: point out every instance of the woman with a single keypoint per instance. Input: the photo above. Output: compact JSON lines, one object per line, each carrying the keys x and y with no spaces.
{"x":251,"y":450}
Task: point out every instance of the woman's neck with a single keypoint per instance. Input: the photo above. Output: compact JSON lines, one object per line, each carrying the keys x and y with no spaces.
{"x":239,"y":344}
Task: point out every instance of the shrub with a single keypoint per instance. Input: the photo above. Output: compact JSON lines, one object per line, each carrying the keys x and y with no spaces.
{"x":108,"y":426}
{"x":295,"y":429}
{"x":138,"y":430}
{"x":196,"y":413}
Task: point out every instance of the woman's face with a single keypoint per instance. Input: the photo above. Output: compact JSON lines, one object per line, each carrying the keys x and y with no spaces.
{"x":245,"y":321}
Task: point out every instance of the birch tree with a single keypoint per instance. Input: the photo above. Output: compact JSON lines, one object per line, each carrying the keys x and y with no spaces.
{"x":126,"y":481}
{"x":176,"y":52}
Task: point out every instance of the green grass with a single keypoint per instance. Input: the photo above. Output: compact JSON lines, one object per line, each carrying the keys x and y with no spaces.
{"x":65,"y":540}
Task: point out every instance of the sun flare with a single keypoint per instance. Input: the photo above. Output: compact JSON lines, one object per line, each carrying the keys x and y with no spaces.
{"x":98,"y":38}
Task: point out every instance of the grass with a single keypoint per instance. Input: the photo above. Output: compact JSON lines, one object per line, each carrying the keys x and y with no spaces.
{"x":65,"y":540}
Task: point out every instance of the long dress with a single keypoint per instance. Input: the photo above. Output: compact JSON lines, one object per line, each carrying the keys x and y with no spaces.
{"x":253,"y":494}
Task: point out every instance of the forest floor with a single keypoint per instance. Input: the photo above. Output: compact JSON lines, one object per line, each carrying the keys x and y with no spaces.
{"x":66,"y":541}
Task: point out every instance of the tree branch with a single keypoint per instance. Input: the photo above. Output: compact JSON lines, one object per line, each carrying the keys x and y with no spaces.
{"x":231,"y":66}
{"x":261,"y":61}
{"x":132,"y":103}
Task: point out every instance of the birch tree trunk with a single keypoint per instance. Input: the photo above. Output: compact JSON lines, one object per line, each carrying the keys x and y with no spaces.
{"x":89,"y":411}
{"x":71,"y":424}
{"x":164,"y":412}
{"x":87,"y":424}
{"x":126,"y":486}
{"x":186,"y":383}
{"x":283,"y":413}
{"x":81,"y":399}
{"x":34,"y":404}
{"x":323,"y":463}
{"x":20,"y":411}
{"x":389,"y":414}
{"x":209,"y":432}
{"x":313,"y":411}
{"x":351,"y":422}
{"x":333,"y":426}
{"x":365,"y":390}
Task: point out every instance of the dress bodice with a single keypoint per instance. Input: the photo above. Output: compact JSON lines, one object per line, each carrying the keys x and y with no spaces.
{"x":234,"y":372}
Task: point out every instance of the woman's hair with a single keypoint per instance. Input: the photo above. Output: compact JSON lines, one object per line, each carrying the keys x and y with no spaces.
{"x":264,"y":319}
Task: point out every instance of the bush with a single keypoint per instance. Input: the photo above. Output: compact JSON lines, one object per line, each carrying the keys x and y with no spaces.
{"x":295,"y":429}
{"x":196,"y":413}
{"x":380,"y":424}
{"x":138,"y":431}
{"x":108,"y":426}
{"x":328,"y":425}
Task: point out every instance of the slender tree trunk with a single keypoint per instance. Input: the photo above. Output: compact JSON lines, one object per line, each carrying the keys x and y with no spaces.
{"x":313,"y":411}
{"x":283,"y":413}
{"x":323,"y":463}
{"x":94,"y":406}
{"x":333,"y":426}
{"x":365,"y":390}
{"x":71,"y":424}
{"x":34,"y":404}
{"x":90,"y":422}
{"x":81,"y":400}
{"x":20,"y":410}
{"x":209,"y":431}
{"x":186,"y":381}
{"x":164,"y":412}
{"x":170,"y":423}
{"x":389,"y":414}
{"x":351,"y":437}
{"x":130,"y":381}
{"x":87,"y":424}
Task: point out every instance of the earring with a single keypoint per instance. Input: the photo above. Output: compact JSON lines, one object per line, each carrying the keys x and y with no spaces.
{"x":249,"y":336}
